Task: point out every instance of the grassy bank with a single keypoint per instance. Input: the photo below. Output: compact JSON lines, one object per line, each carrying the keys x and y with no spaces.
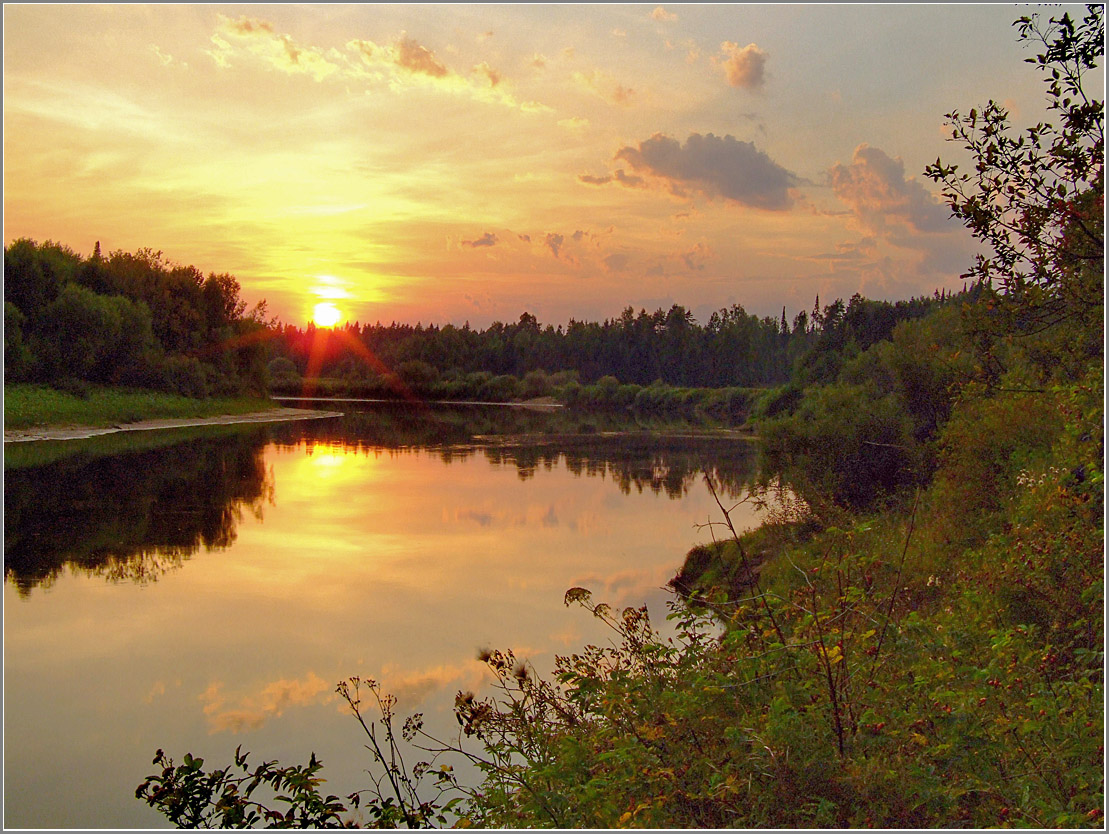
{"x":27,"y":406}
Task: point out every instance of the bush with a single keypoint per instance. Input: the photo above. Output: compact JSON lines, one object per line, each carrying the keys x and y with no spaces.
{"x":184,"y":375}
{"x":417,"y":373}
{"x":500,"y":389}
{"x":535,"y":384}
{"x":282,"y":372}
{"x":844,"y":444}
{"x":777,"y":401}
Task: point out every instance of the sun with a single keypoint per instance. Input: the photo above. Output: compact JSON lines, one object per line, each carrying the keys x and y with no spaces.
{"x":326,"y":314}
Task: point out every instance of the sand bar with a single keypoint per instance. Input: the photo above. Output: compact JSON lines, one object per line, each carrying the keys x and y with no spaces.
{"x":81,"y":432}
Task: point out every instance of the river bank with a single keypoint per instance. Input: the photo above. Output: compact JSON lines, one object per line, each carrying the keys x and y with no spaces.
{"x":82,"y":432}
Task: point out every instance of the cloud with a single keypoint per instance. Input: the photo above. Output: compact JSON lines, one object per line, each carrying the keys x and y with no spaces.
{"x":715,"y":166}
{"x":248,"y":26}
{"x":415,"y":58}
{"x":490,"y":73}
{"x":413,"y":686}
{"x":896,"y":211}
{"x":554,"y":243}
{"x":616,"y":262}
{"x":618,"y":176}
{"x":487,"y":239}
{"x":603,"y":85}
{"x":257,"y":37}
{"x":661,"y":14}
{"x":863,"y":249}
{"x":575,"y":124}
{"x":695,"y":258}
{"x":405,"y":59}
{"x":875,"y":187}
{"x":744,"y":67}
{"x":163,"y":58}
{"x":251,"y":711}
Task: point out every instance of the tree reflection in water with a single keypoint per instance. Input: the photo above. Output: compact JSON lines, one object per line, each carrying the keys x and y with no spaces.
{"x":128,"y":512}
{"x":134,"y":515}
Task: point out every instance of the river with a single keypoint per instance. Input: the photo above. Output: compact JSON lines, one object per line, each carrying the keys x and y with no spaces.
{"x":194,"y":590}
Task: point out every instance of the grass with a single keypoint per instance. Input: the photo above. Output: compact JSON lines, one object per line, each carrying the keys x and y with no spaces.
{"x":28,"y":406}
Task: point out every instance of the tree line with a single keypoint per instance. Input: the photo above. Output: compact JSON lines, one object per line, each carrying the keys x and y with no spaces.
{"x":138,"y":320}
{"x":734,"y":348}
{"x":127,"y":319}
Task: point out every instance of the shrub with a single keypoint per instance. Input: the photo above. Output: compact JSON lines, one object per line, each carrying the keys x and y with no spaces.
{"x":500,"y":389}
{"x":282,"y":372}
{"x":184,"y":375}
{"x":535,"y":384}
{"x":417,"y":373}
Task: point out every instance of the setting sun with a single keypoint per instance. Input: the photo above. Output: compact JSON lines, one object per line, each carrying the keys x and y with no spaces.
{"x":326,"y":314}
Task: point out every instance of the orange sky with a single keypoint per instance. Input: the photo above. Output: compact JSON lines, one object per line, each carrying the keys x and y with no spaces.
{"x":467,"y":163}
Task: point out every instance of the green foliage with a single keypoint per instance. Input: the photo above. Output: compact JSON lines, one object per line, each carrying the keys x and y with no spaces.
{"x":876,"y":673}
{"x":129,"y":319}
{"x":34,"y":275}
{"x":535,"y":384}
{"x":1036,"y":200}
{"x":500,"y":389}
{"x":417,"y":372}
{"x":18,"y":360}
{"x":282,"y":371}
{"x":27,"y":406}
{"x":93,"y":337}
{"x":184,"y":375}
{"x":193,"y":798}
{"x":847,"y":443}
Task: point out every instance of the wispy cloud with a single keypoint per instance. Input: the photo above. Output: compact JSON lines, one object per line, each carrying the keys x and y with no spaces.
{"x":258,"y":38}
{"x":606,"y":87}
{"x":398,"y":63}
{"x":661,"y":14}
{"x":618,"y":176}
{"x":554,"y":242}
{"x":250,"y":711}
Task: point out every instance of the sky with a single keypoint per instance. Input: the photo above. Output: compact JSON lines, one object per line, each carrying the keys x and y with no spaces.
{"x":467,"y":163}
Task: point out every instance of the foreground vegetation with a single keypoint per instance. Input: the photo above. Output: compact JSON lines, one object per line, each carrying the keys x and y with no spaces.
{"x":29,"y":406}
{"x":918,"y":643}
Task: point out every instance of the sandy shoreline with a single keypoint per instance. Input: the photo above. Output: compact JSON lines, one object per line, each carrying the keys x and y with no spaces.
{"x":81,"y":432}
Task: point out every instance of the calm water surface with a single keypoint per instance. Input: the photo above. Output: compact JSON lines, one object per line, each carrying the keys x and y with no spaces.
{"x":208,"y":588}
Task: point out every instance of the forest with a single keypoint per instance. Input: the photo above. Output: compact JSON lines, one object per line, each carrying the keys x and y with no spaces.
{"x":128,"y":319}
{"x":136,"y":320}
